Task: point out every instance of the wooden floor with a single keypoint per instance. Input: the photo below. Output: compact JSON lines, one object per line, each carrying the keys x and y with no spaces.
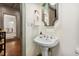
{"x":13,"y":47}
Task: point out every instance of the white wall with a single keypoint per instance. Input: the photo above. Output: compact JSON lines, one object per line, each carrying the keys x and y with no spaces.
{"x":31,"y":31}
{"x":67,"y":28}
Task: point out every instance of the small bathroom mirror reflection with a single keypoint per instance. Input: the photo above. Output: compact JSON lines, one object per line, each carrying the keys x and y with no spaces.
{"x":49,"y":13}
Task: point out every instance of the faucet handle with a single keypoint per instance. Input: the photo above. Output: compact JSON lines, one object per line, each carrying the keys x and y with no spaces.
{"x":41,"y":33}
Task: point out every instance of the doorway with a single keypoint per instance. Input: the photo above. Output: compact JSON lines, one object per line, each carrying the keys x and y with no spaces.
{"x":11,"y":22}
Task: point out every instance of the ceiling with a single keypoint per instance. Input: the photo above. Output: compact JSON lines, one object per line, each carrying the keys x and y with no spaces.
{"x":11,"y":5}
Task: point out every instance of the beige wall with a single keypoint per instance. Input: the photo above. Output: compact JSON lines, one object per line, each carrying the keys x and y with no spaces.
{"x":31,"y":31}
{"x":67,"y":29}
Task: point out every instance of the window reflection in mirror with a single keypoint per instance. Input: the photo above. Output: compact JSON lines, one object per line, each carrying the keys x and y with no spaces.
{"x":49,"y":14}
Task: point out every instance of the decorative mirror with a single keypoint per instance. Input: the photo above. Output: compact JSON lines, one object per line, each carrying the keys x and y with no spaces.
{"x":10,"y":25}
{"x":49,"y":14}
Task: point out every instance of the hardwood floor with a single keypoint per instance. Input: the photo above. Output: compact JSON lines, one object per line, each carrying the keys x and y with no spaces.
{"x":13,"y":47}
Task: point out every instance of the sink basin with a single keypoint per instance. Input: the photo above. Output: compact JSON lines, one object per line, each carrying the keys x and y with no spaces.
{"x":46,"y":42}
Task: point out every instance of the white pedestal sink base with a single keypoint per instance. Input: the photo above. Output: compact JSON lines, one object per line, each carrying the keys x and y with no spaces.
{"x":46,"y":42}
{"x":44,"y":51}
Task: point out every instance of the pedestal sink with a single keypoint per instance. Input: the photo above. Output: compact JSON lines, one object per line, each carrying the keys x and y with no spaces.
{"x":46,"y":42}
